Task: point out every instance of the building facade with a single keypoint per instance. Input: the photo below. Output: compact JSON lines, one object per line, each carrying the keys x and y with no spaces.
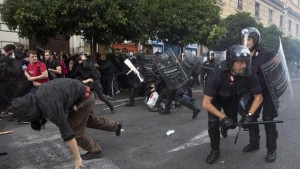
{"x":285,"y":14}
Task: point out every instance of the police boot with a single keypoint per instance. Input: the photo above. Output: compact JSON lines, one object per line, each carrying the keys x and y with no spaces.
{"x":213,"y":156}
{"x":167,"y":108}
{"x":130,"y":103}
{"x":254,"y":139}
{"x":191,"y":106}
{"x":271,"y":156}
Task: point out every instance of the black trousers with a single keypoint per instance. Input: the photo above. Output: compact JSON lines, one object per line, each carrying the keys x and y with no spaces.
{"x":268,"y":114}
{"x":96,"y":86}
{"x":230,"y":108}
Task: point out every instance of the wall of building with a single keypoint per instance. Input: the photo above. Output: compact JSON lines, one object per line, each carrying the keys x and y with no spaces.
{"x":270,"y":12}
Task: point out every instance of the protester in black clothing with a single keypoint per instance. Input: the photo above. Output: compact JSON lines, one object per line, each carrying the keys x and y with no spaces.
{"x":108,"y":76}
{"x":69,"y":105}
{"x":260,"y":55}
{"x":13,"y":83}
{"x":89,"y":75}
{"x":54,"y":68}
{"x":223,"y":91}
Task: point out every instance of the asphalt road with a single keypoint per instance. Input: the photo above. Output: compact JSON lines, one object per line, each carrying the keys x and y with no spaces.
{"x":144,"y":144}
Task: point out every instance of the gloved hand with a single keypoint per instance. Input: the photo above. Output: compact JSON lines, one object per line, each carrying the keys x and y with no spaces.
{"x":246,"y":118}
{"x":228,"y":123}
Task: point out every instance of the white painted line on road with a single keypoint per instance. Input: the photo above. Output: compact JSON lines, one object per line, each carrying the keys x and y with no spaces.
{"x":197,"y":140}
{"x":202,"y":138}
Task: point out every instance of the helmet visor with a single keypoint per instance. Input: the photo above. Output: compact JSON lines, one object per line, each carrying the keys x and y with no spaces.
{"x":244,"y":39}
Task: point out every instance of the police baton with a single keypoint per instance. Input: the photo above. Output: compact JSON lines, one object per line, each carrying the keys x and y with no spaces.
{"x":258,"y":122}
{"x":240,"y":125}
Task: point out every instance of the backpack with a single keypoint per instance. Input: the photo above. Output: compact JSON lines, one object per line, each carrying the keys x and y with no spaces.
{"x":63,"y":68}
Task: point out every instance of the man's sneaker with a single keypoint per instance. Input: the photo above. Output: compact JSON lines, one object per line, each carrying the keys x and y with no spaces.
{"x":271,"y":156}
{"x":117,"y":92}
{"x":223,"y":131}
{"x":90,"y":156}
{"x":196,"y":112}
{"x":130,"y":104}
{"x":213,"y":156}
{"x":118,"y":132}
{"x":251,"y":147}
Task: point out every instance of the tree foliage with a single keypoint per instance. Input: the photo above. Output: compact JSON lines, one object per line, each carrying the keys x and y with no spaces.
{"x":184,"y":21}
{"x":102,"y":21}
{"x":33,"y":19}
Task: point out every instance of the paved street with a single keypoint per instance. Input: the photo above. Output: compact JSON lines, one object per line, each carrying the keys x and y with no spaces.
{"x":144,"y":144}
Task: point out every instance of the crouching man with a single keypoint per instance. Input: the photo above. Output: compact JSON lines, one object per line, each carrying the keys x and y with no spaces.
{"x":69,"y":104}
{"x":223,"y":90}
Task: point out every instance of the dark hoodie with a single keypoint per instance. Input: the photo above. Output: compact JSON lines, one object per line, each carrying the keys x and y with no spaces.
{"x":52,"y":100}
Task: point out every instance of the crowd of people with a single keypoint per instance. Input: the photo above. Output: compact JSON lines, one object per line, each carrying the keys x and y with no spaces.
{"x":26,"y":79}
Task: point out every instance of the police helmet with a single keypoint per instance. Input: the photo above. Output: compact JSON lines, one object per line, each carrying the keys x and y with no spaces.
{"x":242,"y":53}
{"x":253,"y":33}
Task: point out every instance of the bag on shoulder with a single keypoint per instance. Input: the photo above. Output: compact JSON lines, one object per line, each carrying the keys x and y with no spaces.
{"x":51,"y":75}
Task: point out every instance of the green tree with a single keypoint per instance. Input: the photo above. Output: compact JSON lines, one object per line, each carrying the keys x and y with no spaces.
{"x":32,"y":19}
{"x":182,"y":22}
{"x":270,"y":37}
{"x":99,"y":21}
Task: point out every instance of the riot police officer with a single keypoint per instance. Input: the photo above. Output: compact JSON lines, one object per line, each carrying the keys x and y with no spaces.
{"x":223,"y":90}
{"x":251,"y":38}
{"x":208,"y":66}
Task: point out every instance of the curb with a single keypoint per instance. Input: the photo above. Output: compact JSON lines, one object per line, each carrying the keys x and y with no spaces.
{"x":99,"y":102}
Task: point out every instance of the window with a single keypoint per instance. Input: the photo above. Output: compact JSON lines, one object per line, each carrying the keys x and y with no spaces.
{"x":290,"y":26}
{"x":240,"y":4}
{"x":257,"y":6}
{"x":281,"y":21}
{"x":270,"y":15}
{"x":297,"y":29}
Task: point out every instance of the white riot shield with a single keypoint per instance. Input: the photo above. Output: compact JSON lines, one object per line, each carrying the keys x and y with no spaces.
{"x":132,"y":73}
{"x":277,"y":78}
{"x":171,"y":70}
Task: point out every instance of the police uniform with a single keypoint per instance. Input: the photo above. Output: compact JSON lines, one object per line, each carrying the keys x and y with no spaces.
{"x":261,"y":56}
{"x":226,"y":91}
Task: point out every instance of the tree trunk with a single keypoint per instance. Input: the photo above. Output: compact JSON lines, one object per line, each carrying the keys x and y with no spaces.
{"x":93,"y":45}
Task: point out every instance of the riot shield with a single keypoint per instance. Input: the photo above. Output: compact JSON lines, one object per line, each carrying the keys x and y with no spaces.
{"x":170,"y":70}
{"x":219,"y":56}
{"x":189,"y":62}
{"x":148,"y":67}
{"x":132,"y":73}
{"x":278,"y":81}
